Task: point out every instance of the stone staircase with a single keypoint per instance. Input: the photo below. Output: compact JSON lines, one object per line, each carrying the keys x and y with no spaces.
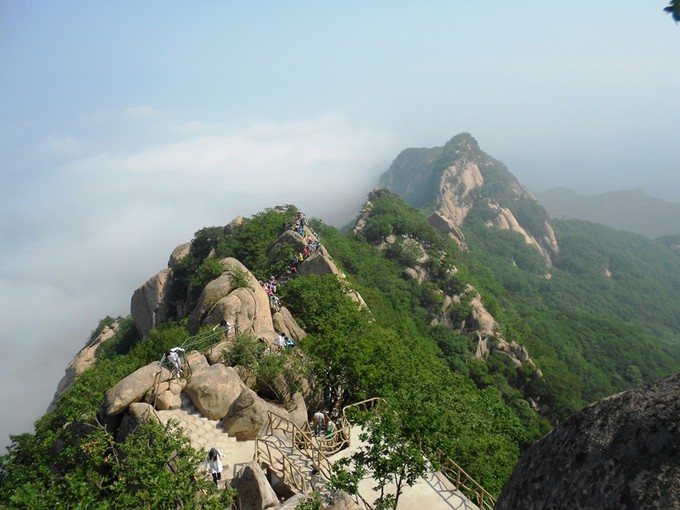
{"x":205,"y":434}
{"x":286,"y":460}
{"x":291,"y":465}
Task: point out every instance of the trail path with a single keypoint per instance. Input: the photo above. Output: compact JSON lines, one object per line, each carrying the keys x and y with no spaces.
{"x":433,"y":492}
{"x":205,"y":434}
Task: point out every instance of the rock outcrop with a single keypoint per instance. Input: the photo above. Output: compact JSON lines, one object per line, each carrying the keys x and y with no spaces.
{"x":137,"y":414}
{"x":253,"y":489}
{"x":178,"y":255}
{"x":620,"y":452}
{"x":214,"y":390}
{"x":224,"y":297}
{"x":284,"y":322}
{"x":81,"y":362}
{"x":247,"y":417}
{"x":133,"y":388}
{"x":318,"y":264}
{"x":150,"y":305}
{"x":455,"y":179}
{"x":447,"y":227}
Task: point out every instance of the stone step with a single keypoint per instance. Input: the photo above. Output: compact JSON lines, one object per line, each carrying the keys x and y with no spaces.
{"x":205,"y":433}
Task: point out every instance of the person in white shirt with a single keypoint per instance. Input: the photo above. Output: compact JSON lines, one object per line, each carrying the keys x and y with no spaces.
{"x":173,"y":358}
{"x":319,"y":420}
{"x":214,"y":464}
{"x":280,"y":342}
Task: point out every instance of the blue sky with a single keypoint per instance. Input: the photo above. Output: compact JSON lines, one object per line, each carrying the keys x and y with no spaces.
{"x":127,"y":126}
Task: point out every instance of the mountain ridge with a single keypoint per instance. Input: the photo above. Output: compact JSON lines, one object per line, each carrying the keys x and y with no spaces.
{"x":630,"y":210}
{"x":430,"y":322}
{"x":457,"y":177}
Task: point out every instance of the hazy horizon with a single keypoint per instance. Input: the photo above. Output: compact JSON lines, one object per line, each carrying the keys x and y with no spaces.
{"x":127,"y":127}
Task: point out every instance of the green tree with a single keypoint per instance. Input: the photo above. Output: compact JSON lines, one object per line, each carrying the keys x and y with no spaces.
{"x":389,"y":457}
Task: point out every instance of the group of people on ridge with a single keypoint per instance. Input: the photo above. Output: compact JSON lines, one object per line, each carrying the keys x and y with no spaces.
{"x":173,"y":357}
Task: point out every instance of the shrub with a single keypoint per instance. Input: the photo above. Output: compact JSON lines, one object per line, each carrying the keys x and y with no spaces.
{"x":245,"y":350}
{"x":239,"y":278}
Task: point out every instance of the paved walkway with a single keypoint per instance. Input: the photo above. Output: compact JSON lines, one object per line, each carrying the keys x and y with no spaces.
{"x":433,"y":492}
{"x":205,"y":434}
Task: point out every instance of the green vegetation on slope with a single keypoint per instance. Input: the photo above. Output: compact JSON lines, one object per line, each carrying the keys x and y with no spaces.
{"x":586,"y":330}
{"x":72,"y":461}
{"x":605,"y":321}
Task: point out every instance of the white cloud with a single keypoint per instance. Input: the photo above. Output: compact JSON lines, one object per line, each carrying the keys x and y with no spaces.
{"x":62,"y":145}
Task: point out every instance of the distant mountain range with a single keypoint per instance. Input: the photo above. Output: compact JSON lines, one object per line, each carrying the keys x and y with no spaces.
{"x":631,"y":210}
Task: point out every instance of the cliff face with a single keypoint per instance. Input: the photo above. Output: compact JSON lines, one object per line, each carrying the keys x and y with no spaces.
{"x":478,"y":321}
{"x":621,"y":452}
{"x":458,"y":177}
{"x":454,"y":180}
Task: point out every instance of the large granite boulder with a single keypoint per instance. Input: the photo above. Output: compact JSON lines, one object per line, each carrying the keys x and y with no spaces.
{"x":622,"y":452}
{"x":216,"y":354}
{"x":178,"y":254}
{"x":318,"y":264}
{"x":81,"y":362}
{"x":288,"y":239}
{"x":254,"y":491}
{"x":248,"y":416}
{"x":223,"y":298}
{"x":284,"y":321}
{"x":132,"y":388}
{"x":233,"y":225}
{"x":137,"y":414}
{"x":197,"y":362}
{"x":297,"y":412}
{"x":214,"y":389}
{"x":149,"y":305}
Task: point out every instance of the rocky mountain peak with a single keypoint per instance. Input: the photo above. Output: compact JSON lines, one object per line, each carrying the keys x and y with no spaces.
{"x":455,"y":179}
{"x":463,"y":144}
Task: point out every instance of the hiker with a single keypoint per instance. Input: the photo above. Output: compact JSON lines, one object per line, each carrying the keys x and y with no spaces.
{"x":280,"y":342}
{"x":214,"y":464}
{"x":319,"y":420}
{"x":173,"y":358}
{"x":330,"y":429}
{"x":226,"y":328}
{"x":274,"y":302}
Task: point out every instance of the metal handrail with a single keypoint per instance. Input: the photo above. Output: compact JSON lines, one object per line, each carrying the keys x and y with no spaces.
{"x":202,"y":341}
{"x":301,"y":439}
{"x":452,"y":471}
{"x":281,"y":464}
{"x":341,"y":437}
{"x":464,"y":482}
